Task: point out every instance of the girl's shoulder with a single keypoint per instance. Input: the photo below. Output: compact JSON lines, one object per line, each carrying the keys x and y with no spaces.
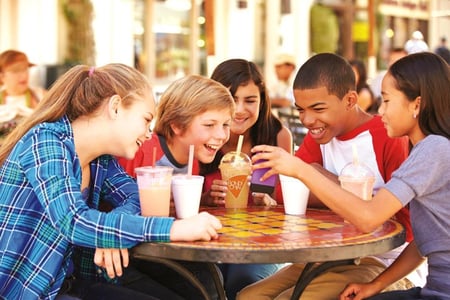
{"x":435,"y":145}
{"x":284,"y":139}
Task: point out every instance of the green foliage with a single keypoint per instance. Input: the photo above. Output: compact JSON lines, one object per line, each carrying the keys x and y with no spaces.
{"x":80,"y":37}
{"x":324,"y":29}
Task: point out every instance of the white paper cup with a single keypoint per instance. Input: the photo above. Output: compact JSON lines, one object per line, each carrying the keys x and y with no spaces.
{"x":295,"y":195}
{"x":187,"y":192}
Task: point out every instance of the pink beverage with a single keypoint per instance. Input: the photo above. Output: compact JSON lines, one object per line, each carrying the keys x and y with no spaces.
{"x":154,"y":201}
{"x":357,"y":179}
{"x":362,"y":187}
{"x":236,"y":169}
{"x":154,"y":190}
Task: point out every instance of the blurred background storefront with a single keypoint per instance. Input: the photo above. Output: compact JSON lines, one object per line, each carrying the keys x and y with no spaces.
{"x":166,"y":39}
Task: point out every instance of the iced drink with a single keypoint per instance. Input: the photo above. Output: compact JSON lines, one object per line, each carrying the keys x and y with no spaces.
{"x":187,"y":191}
{"x":295,"y":195}
{"x":154,"y":190}
{"x":235,"y":169}
{"x":358,"y":179}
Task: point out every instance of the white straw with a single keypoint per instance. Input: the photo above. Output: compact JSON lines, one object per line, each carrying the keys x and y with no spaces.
{"x":355,"y":155}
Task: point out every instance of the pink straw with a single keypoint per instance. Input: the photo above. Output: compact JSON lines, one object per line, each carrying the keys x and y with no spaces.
{"x":154,"y":157}
{"x":191,"y":160}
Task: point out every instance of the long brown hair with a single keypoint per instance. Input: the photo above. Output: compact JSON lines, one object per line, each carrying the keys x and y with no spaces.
{"x":80,"y":91}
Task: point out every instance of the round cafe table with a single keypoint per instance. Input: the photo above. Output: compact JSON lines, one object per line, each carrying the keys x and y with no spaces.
{"x":320,"y":239}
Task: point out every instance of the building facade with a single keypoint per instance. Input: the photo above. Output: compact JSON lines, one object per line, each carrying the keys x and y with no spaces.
{"x":169,"y":38}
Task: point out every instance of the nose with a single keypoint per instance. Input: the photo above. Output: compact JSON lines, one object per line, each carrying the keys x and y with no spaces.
{"x":239,"y":106}
{"x":223,"y":133}
{"x":381,"y":109}
{"x":307,"y":119}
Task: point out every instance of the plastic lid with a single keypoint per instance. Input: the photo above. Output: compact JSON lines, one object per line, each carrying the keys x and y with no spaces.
{"x":232,"y":158}
{"x":359,"y":170}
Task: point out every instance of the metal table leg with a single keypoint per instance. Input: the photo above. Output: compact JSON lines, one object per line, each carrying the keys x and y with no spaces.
{"x":312,"y":270}
{"x":189,"y":276}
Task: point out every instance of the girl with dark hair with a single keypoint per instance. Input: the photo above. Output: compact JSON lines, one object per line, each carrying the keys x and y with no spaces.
{"x":254,"y":120}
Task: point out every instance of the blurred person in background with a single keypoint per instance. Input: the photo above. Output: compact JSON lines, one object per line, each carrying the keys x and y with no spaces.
{"x":15,"y":90}
{"x":416,"y":43}
{"x":443,"y":51}
{"x":281,"y":93}
{"x":17,"y":98}
{"x":366,"y":99}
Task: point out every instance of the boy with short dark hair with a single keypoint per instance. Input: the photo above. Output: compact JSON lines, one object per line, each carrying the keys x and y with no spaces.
{"x":326,"y":98}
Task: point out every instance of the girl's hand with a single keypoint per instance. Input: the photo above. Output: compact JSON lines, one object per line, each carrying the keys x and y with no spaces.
{"x":263,"y":199}
{"x":203,"y":227}
{"x":360,"y":291}
{"x":277,"y":159}
{"x":112,"y":260}
{"x":216,"y":195}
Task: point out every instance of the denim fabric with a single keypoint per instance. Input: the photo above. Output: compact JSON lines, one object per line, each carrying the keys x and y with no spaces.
{"x":411,"y":294}
{"x":131,"y":285}
{"x":238,"y":276}
{"x":176,"y":282}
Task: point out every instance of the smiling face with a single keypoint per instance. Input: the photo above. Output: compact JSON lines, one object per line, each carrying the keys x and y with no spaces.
{"x":15,"y":78}
{"x":323,"y":114}
{"x":132,"y":126}
{"x":247,"y":99}
{"x":208,"y":132}
{"x":397,"y":111}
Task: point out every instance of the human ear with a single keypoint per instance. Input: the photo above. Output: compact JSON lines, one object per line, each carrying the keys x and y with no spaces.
{"x":351,"y":99}
{"x":415,"y":105}
{"x":176,"y":129}
{"x":113,"y":105}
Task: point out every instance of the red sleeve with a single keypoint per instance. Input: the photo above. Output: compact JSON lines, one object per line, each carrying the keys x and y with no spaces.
{"x":309,"y":151}
{"x":209,"y":178}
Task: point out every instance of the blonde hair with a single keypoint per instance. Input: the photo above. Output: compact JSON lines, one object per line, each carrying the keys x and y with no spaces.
{"x":188,"y":97}
{"x":81,"y":91}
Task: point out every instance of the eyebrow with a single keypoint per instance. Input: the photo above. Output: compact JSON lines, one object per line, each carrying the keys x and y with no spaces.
{"x":250,"y":96}
{"x":312,"y":105}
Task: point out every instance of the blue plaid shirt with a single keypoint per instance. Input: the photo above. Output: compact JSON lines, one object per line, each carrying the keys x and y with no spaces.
{"x":45,"y":220}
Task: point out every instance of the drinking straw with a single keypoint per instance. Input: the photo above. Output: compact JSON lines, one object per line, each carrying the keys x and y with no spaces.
{"x":355,"y":155}
{"x":154,"y":157}
{"x":191,"y":160}
{"x":239,"y":145}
